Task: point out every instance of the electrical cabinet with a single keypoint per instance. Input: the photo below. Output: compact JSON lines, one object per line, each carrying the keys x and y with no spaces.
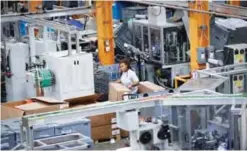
{"x":234,"y":54}
{"x":239,"y":83}
{"x":73,"y":74}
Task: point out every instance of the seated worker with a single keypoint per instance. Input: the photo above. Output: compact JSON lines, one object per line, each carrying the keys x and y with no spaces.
{"x":128,"y":77}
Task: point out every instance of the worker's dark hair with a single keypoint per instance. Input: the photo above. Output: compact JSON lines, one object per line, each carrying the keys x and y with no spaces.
{"x":126,"y":62}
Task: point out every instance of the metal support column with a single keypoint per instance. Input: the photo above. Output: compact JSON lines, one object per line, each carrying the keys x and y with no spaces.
{"x":32,"y":47}
{"x":199,"y":31}
{"x":45,"y":38}
{"x":243,"y":131}
{"x":105,"y":32}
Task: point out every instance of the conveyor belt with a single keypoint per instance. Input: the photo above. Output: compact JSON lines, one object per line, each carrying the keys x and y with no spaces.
{"x":111,"y":107}
{"x":121,"y":106}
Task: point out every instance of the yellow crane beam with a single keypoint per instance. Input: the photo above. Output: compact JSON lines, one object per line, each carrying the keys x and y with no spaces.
{"x":105,"y":32}
{"x":234,"y":2}
{"x":199,"y":31}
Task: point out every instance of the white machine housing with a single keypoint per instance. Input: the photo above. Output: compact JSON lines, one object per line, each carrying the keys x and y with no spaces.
{"x":42,"y":46}
{"x":73,"y":74}
{"x":157,"y":15}
{"x":17,"y":53}
{"x":129,"y":121}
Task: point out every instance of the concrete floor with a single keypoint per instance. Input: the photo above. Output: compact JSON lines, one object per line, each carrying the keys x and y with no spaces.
{"x":110,"y":146}
{"x":122,"y":144}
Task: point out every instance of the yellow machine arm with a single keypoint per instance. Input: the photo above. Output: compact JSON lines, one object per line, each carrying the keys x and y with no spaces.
{"x":105,"y":32}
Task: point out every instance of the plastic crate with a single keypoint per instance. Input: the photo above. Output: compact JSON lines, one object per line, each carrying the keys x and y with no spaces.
{"x":82,"y":126}
{"x":39,"y":131}
{"x":8,"y":138}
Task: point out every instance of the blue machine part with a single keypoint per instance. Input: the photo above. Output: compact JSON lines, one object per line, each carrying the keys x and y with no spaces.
{"x":117,"y":10}
{"x":50,"y":29}
{"x":22,"y":28}
{"x":76,"y":23}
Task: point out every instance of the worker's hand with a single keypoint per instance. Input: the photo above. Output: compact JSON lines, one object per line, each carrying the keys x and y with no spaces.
{"x":130,"y":86}
{"x":117,"y":81}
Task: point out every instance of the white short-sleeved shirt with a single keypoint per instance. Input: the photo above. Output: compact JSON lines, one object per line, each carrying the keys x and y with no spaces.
{"x":129,"y":77}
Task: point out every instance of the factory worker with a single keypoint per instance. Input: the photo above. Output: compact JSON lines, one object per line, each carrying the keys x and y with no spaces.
{"x":128,"y":77}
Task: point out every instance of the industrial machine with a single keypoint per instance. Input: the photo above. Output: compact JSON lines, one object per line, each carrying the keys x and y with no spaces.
{"x":63,"y":76}
{"x":166,"y":44}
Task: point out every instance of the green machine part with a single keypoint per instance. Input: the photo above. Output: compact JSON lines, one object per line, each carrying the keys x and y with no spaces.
{"x":45,"y":78}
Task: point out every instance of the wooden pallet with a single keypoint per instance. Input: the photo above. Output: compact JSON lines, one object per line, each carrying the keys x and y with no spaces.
{"x":115,"y":137}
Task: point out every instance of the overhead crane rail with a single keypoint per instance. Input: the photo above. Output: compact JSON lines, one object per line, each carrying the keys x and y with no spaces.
{"x":47,"y":14}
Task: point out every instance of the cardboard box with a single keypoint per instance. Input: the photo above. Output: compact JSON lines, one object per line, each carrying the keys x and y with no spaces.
{"x":96,"y":121}
{"x":9,"y":112}
{"x":124,"y":133}
{"x":101,"y":132}
{"x":80,"y":101}
{"x":101,"y":120}
{"x":116,"y":91}
{"x":146,"y":86}
{"x":37,"y":105}
{"x":104,"y":132}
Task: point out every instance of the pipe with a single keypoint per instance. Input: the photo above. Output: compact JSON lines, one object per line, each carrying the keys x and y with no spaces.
{"x":69,"y":45}
{"x":77,"y":42}
{"x":193,"y":10}
{"x":215,"y":62}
